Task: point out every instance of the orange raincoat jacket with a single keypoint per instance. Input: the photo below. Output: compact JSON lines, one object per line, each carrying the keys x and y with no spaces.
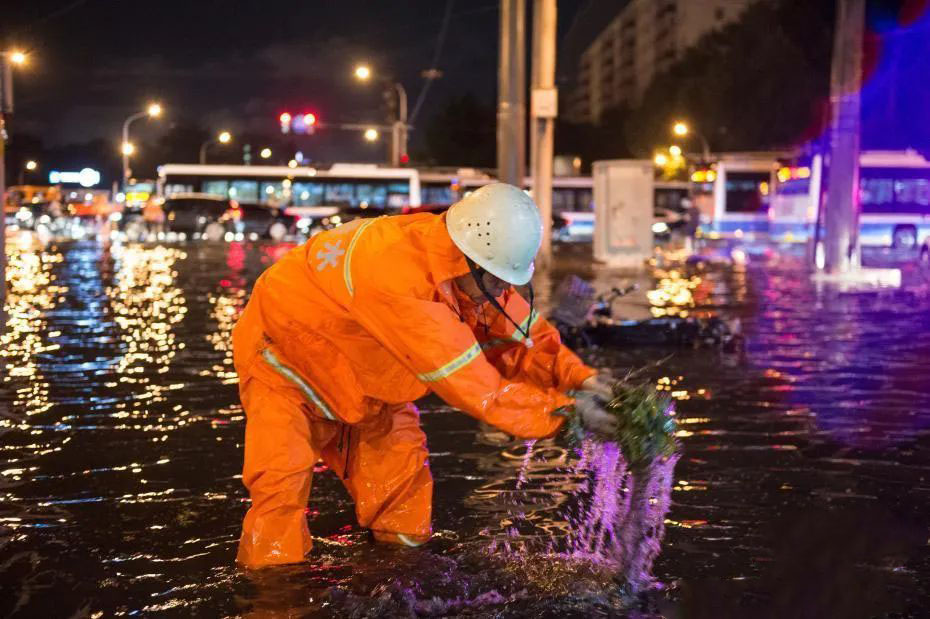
{"x":339,"y":337}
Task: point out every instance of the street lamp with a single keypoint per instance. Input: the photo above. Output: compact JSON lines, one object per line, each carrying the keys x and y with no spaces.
{"x":362,"y":72}
{"x":675,"y":150}
{"x":18,"y":57}
{"x":265,"y":153}
{"x":223,"y":138}
{"x":681,"y":129}
{"x":29,"y":166}
{"x":153,"y":110}
{"x":399,"y":127}
{"x":660,"y":160}
{"x":371,"y":134}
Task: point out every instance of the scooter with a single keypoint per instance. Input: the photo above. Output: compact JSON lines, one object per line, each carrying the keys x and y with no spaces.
{"x":585,"y":321}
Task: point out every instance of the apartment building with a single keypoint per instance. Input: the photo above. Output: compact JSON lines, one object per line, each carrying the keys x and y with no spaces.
{"x":642,"y":40}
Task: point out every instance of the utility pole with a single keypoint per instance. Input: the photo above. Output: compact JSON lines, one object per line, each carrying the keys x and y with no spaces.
{"x":543,"y":110}
{"x":511,"y":80}
{"x":6,"y":107}
{"x":841,"y":212}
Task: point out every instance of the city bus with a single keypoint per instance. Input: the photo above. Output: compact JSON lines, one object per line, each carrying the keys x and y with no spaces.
{"x":894,"y":199}
{"x":573,"y":202}
{"x":343,"y":185}
{"x":741,"y":189}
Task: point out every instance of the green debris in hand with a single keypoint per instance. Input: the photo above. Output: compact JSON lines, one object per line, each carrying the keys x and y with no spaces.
{"x":646,"y":423}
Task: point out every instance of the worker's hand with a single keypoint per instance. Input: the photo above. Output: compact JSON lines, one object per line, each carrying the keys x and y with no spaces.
{"x":594,"y":418}
{"x":600,"y":385}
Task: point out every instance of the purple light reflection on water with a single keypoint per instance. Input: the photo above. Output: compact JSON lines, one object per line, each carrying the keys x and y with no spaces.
{"x":618,"y":521}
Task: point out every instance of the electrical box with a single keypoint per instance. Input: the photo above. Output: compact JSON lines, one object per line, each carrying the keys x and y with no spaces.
{"x":623,"y":212}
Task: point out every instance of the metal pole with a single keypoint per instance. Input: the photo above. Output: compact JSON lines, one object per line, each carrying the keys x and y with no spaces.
{"x":542,"y":123}
{"x":203,"y":152}
{"x":4,"y":67}
{"x":705,"y":146}
{"x":6,"y":106}
{"x":511,"y":79}
{"x":125,"y":141}
{"x":841,"y":212}
{"x":400,"y":132}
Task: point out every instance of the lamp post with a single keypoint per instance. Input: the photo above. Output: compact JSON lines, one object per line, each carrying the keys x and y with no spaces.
{"x":29,"y":166}
{"x":223,"y":138}
{"x":399,"y":127}
{"x":153,"y":110}
{"x":8,"y":59}
{"x":681,"y":129}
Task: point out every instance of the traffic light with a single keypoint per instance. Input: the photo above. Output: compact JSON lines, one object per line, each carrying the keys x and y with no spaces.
{"x":285,"y":119}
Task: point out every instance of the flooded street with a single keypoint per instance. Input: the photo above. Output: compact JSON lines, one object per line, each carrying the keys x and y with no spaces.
{"x":803,"y":489}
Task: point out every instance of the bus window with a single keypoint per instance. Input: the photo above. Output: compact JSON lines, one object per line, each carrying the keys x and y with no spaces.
{"x":744,"y":192}
{"x":437,"y":194}
{"x":216,"y":188}
{"x":398,"y":195}
{"x":370,"y":195}
{"x":272,"y":193}
{"x":244,"y":191}
{"x":584,"y":200}
{"x":339,"y":194}
{"x":912,"y":193}
{"x":563,"y":200}
{"x":307,"y":194}
{"x":173,"y":188}
{"x":876,"y":195}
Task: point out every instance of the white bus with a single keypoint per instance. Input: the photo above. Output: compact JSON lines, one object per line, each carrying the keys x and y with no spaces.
{"x":573,"y":201}
{"x":741,"y":189}
{"x":343,"y":185}
{"x":894,"y":199}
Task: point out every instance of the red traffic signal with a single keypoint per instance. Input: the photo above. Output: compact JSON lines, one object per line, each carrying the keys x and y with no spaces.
{"x":309,"y":119}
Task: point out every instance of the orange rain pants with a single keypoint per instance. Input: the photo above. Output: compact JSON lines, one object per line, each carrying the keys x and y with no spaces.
{"x":338,"y":338}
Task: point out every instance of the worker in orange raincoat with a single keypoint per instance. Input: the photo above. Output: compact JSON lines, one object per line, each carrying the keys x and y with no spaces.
{"x":345,"y":331}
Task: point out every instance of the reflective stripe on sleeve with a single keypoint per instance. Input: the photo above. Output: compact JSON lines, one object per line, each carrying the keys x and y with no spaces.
{"x":525,"y":327}
{"x":295,"y":378}
{"x":453,"y":366}
{"x":347,"y":265}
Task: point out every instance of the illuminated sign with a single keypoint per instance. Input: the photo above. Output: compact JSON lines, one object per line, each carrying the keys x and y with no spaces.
{"x":88,"y":177}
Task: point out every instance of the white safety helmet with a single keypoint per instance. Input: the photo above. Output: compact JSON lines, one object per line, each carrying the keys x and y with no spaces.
{"x":499,"y":228}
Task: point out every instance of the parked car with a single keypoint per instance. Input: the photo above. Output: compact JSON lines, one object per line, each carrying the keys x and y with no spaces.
{"x":266,"y":222}
{"x":197,"y":215}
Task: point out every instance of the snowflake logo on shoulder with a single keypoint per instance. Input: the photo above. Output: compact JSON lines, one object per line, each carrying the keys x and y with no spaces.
{"x":330,"y":257}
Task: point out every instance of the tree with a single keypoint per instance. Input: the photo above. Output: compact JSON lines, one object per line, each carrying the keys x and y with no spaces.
{"x":759,"y":83}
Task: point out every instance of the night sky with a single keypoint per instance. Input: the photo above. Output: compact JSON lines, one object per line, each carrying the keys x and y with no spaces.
{"x":238,"y":64}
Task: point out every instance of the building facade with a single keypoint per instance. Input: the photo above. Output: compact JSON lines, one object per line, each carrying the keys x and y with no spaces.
{"x":641,"y":41}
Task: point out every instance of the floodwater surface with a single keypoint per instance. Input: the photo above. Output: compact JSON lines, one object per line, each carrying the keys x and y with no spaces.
{"x":803,"y":489}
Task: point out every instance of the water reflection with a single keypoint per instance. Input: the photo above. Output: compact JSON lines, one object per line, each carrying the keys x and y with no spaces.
{"x":803,"y":479}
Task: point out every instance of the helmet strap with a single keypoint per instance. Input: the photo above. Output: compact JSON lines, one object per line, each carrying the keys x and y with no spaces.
{"x":477,"y":274}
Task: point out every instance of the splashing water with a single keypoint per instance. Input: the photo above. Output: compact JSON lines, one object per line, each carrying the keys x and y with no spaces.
{"x":616,"y":526}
